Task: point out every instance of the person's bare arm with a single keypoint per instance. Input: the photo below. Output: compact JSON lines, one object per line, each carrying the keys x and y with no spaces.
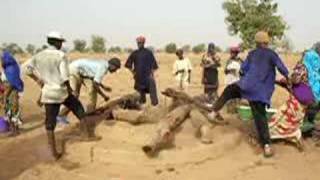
{"x":97,"y":88}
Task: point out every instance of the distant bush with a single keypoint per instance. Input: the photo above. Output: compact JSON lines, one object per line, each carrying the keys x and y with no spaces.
{"x":128,"y":50}
{"x":98,"y":44}
{"x":170,"y":48}
{"x":12,"y":48}
{"x":115,"y":49}
{"x":200,"y":48}
{"x":79,"y":45}
{"x":186,"y":48}
{"x":31,"y":49}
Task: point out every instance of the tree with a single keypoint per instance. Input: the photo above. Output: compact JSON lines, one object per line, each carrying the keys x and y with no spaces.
{"x":171,"y":48}
{"x":200,"y":48}
{"x":246,"y":17}
{"x":186,"y":48}
{"x":98,"y":44}
{"x":12,"y":48}
{"x":115,"y":49}
{"x":79,"y":45}
{"x":43,"y":47}
{"x":30,"y":48}
{"x":128,"y":50}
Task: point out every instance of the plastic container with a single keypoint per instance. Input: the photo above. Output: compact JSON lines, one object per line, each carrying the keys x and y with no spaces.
{"x":4,"y":126}
{"x":245,"y":113}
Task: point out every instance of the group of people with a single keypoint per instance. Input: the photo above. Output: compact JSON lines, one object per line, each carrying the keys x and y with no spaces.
{"x":253,"y":79}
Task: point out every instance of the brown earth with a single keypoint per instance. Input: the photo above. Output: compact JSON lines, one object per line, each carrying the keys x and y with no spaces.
{"x":118,"y":155}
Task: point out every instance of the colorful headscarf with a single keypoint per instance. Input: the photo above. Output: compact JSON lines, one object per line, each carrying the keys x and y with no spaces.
{"x":312,"y":63}
{"x":12,"y":71}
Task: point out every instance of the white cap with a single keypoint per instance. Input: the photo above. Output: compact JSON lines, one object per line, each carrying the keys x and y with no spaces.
{"x":55,"y":35}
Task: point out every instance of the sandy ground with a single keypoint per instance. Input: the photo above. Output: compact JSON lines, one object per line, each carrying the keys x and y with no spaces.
{"x":118,"y":155}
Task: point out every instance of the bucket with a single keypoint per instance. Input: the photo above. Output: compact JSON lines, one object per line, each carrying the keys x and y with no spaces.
{"x":4,"y":126}
{"x":245,"y":113}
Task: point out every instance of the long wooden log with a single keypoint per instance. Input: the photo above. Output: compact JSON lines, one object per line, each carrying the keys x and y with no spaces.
{"x":196,"y":102}
{"x":167,"y":127}
{"x":114,"y":103}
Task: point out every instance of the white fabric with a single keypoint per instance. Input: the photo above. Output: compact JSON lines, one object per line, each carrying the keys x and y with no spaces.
{"x":55,"y":35}
{"x":179,"y":65}
{"x":235,"y":76}
{"x":51,"y":66}
{"x":94,"y":69}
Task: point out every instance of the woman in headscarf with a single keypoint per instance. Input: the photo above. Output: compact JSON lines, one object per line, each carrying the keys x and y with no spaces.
{"x":13,"y":86}
{"x":210,"y":76}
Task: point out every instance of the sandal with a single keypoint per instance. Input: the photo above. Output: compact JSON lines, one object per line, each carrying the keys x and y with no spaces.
{"x":267,"y":151}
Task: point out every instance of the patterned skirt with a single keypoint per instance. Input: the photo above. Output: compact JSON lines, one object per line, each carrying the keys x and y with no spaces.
{"x":286,"y":123}
{"x":12,"y":108}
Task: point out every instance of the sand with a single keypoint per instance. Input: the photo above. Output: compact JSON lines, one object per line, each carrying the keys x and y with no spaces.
{"x":118,"y":155}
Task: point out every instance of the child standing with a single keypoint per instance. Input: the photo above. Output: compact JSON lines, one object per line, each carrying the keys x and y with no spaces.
{"x":182,"y":70}
{"x":13,"y":86}
{"x":210,"y":64}
{"x":232,"y":72}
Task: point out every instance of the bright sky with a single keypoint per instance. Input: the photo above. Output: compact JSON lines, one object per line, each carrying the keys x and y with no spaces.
{"x":161,"y":21}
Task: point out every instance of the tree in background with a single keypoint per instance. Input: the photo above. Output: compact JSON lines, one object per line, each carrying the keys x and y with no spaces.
{"x":115,"y":49}
{"x":246,"y":17}
{"x":12,"y":48}
{"x":128,"y":50}
{"x":43,"y":47}
{"x":30,"y":48}
{"x":79,"y":45}
{"x":200,"y":48}
{"x":98,"y":44}
{"x":171,"y":48}
{"x":186,"y":48}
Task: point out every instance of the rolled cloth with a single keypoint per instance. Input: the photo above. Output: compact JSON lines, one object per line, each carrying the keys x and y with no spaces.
{"x":12,"y":71}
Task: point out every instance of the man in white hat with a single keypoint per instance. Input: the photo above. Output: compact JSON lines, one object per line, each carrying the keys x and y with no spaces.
{"x":49,"y":68}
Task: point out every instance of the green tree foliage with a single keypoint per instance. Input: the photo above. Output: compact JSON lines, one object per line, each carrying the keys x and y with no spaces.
{"x":12,"y":48}
{"x":171,"y":48}
{"x":30,"y":48}
{"x":98,"y":44}
{"x":246,"y":17}
{"x":200,"y":48}
{"x":128,"y":50}
{"x":115,"y":49}
{"x":186,"y":48}
{"x":79,"y":45}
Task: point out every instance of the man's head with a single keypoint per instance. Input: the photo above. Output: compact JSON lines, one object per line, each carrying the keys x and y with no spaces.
{"x":114,"y":65}
{"x":179,"y":53}
{"x":234,"y":51}
{"x":55,"y":39}
{"x":141,"y":40}
{"x":262,"y":39}
{"x":316,"y":47}
{"x":211,"y":48}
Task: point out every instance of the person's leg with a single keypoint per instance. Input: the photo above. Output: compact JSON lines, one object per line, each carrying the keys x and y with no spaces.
{"x":75,"y":83}
{"x":52,"y":111}
{"x":261,"y":122}
{"x":93,"y":96}
{"x":232,"y":91}
{"x":86,"y":126}
{"x":143,"y":98}
{"x":311,"y":112}
{"x":153,"y":92}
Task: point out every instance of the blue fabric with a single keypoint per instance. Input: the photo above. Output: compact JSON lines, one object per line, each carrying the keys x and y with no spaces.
{"x":12,"y":71}
{"x":312,"y":63}
{"x":259,"y":69}
{"x":143,"y":63}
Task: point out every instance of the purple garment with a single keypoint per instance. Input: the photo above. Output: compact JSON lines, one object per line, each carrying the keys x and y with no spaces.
{"x":259,"y":73}
{"x":303,"y":93}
